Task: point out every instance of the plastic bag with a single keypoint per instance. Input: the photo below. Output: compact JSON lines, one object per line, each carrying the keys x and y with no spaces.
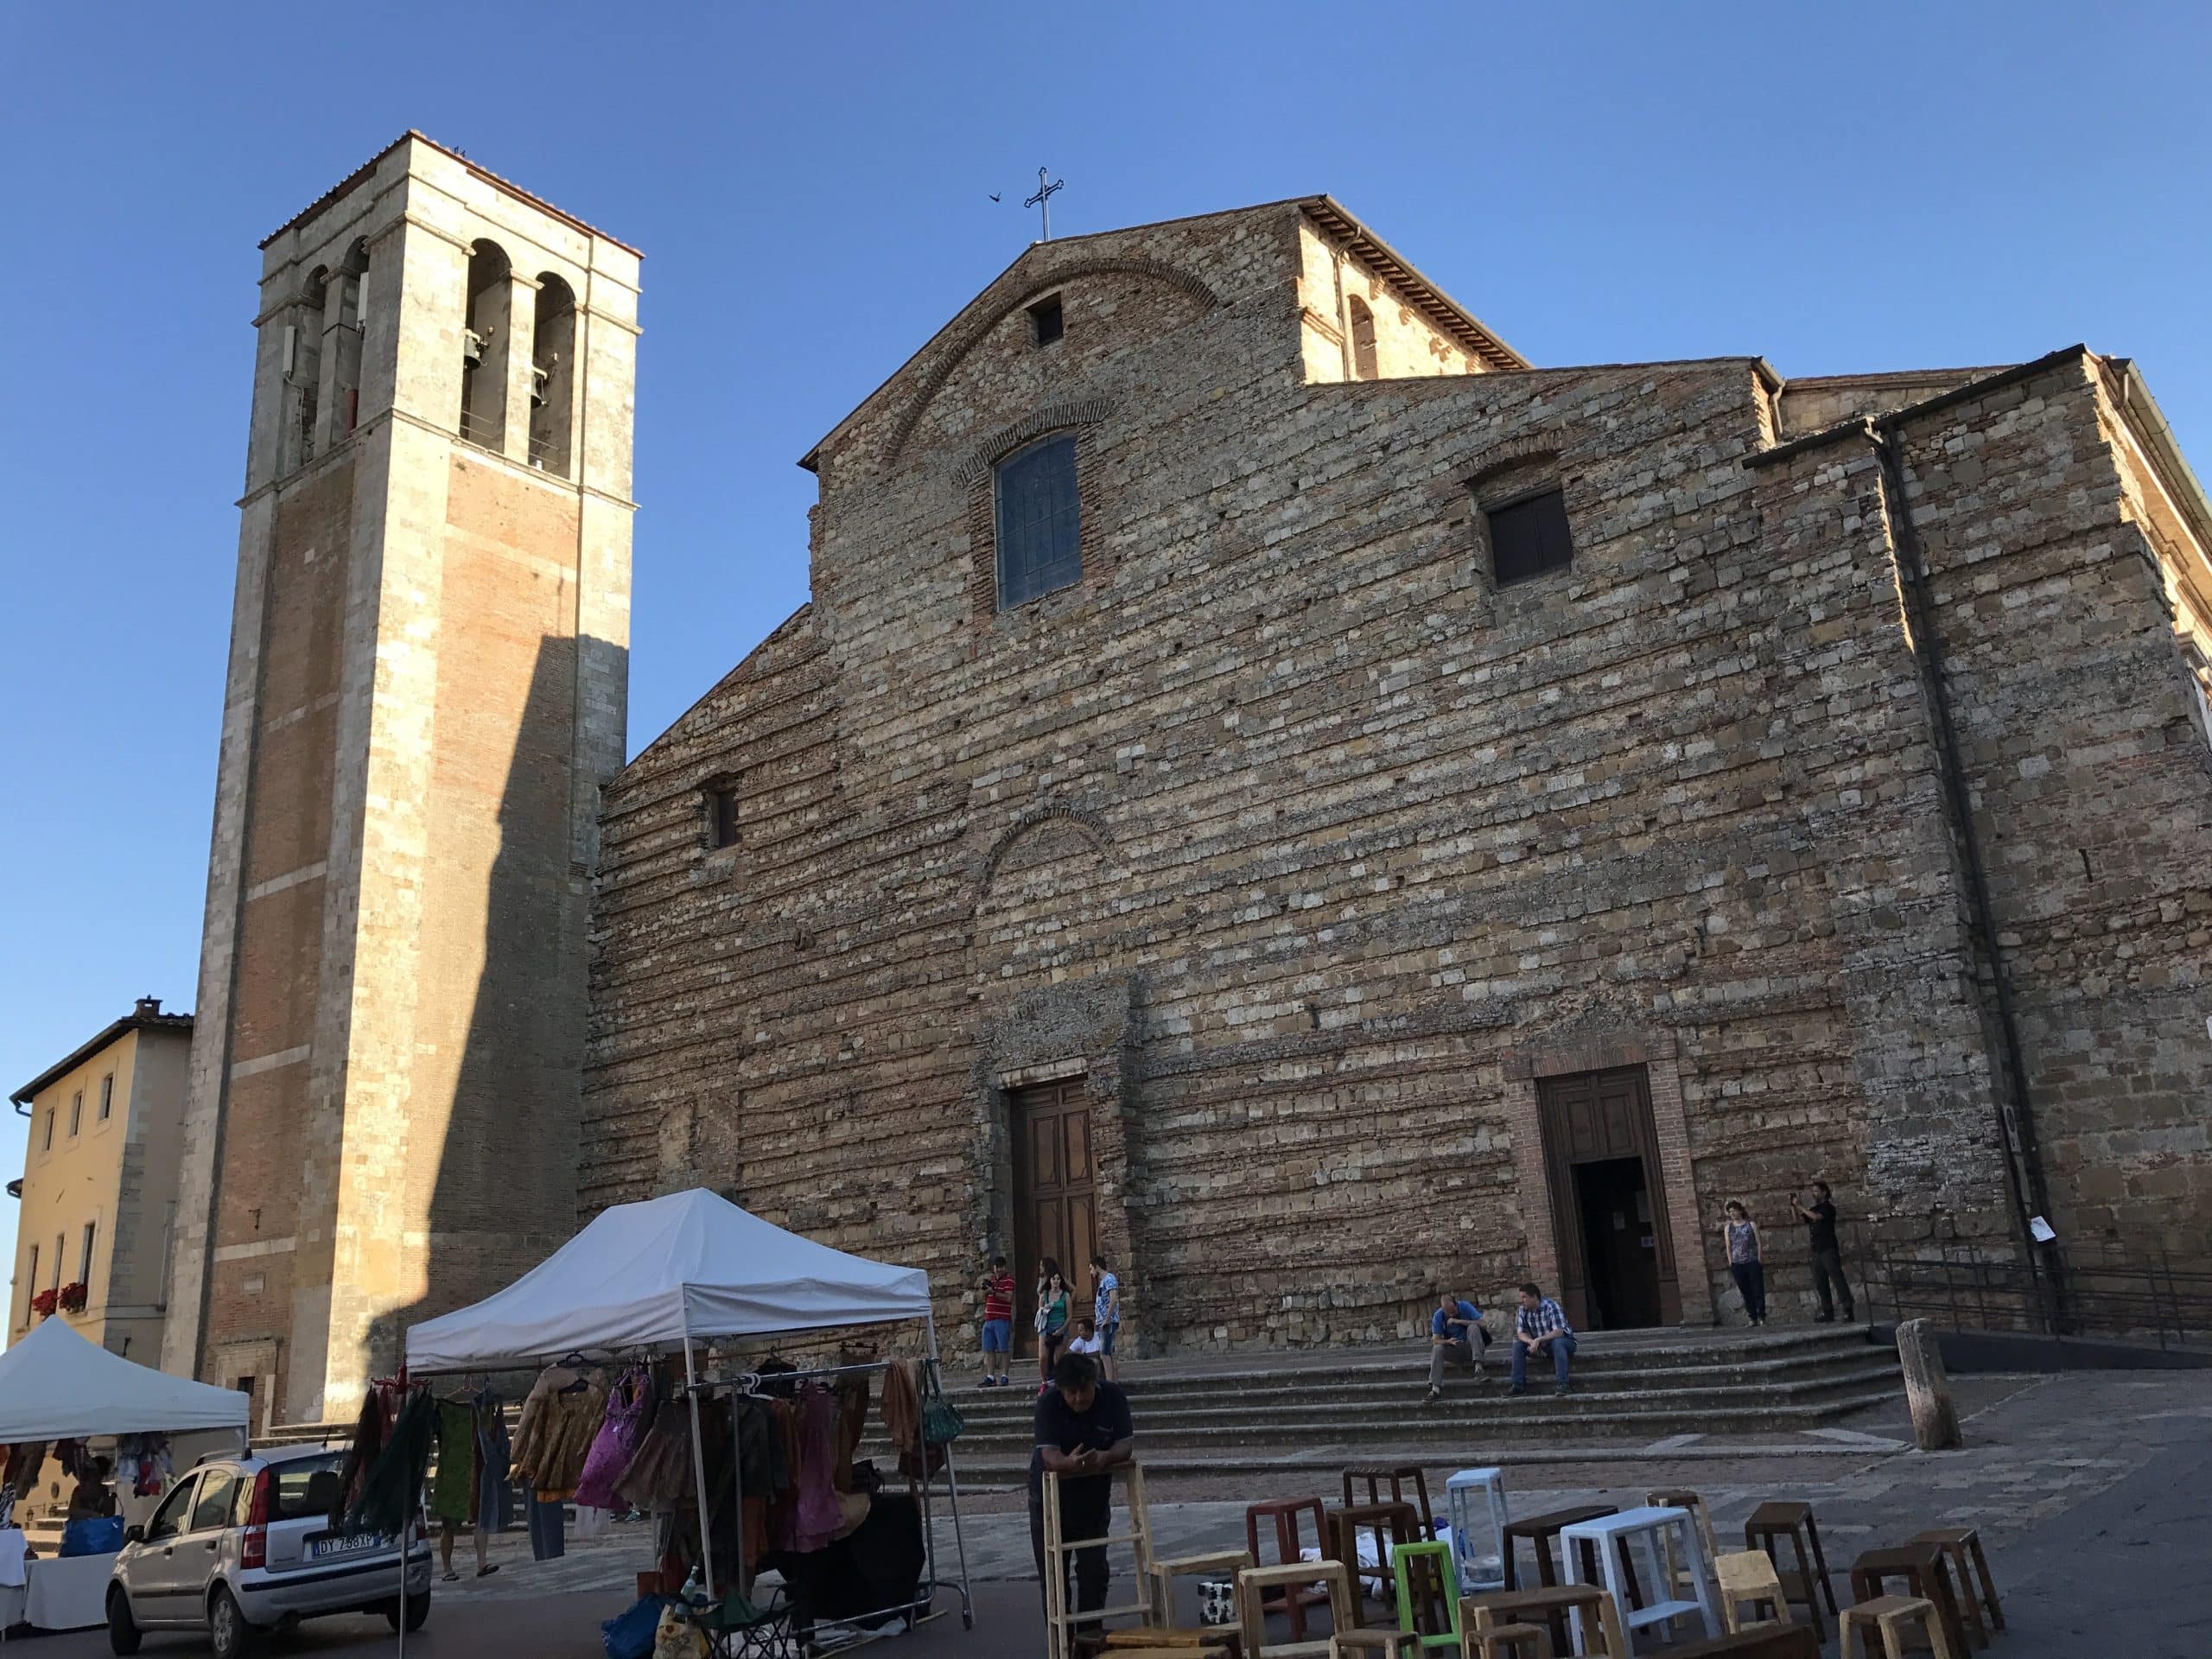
{"x":630,"y":1635}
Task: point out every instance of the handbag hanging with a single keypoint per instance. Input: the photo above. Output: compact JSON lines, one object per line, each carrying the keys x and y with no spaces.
{"x":941,"y":1419}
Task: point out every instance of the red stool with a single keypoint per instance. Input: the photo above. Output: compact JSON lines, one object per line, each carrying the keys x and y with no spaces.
{"x":1296,"y":1598}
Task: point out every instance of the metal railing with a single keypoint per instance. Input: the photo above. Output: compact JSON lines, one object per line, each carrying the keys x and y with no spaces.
{"x":2093,"y":1290}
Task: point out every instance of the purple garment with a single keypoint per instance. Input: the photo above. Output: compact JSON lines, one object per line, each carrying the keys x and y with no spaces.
{"x":816,"y":1522}
{"x":613,"y":1446}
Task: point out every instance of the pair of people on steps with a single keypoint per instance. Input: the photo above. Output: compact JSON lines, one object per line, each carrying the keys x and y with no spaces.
{"x":1460,"y":1336}
{"x":1739,"y":1234}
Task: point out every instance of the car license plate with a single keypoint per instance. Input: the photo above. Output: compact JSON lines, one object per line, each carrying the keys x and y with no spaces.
{"x":351,"y":1543}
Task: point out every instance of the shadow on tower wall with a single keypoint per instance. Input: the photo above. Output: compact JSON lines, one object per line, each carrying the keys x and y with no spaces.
{"x":501,"y":1176}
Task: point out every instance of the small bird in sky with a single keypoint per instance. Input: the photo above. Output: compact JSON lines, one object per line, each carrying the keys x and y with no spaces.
{"x":994,"y":195}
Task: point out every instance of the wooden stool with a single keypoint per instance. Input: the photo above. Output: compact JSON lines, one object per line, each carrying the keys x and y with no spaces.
{"x":1679,"y":1498}
{"x":1392,"y":1644}
{"x":1400,"y":1479}
{"x":1294,"y":1597}
{"x":1794,"y":1521}
{"x":1925,"y":1571}
{"x":1256,"y":1585}
{"x":1507,"y":1642}
{"x":1429,"y":1593}
{"x":1153,"y":1641}
{"x":1061,"y":1623}
{"x":1394,"y":1524}
{"x":1890,"y":1615}
{"x":1598,"y":1627}
{"x":1615,"y":1536}
{"x":1539,"y":1530}
{"x":1221,"y":1564}
{"x":1749,"y":1575}
{"x":1961,"y":1543}
{"x":1765,"y":1642}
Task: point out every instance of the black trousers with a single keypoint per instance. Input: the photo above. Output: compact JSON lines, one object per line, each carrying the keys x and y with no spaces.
{"x":1828,"y":1280}
{"x":1091,"y":1573}
{"x":1751,"y":1279}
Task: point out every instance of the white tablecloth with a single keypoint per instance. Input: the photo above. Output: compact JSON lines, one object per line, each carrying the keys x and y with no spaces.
{"x":69,"y":1594}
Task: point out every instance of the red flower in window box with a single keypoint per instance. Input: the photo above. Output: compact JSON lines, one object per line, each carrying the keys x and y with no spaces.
{"x":42,"y":1303}
{"x":72,"y":1298}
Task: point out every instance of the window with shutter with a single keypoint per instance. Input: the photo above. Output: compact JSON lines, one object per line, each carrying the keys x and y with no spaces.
{"x":1528,"y":538}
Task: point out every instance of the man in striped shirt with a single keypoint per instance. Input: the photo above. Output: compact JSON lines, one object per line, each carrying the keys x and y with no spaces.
{"x":1538,"y":1329}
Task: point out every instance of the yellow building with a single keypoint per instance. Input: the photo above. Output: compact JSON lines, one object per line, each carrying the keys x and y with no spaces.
{"x":99,"y":1187}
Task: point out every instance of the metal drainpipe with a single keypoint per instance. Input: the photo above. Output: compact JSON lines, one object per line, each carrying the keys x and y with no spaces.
{"x":2017,"y":1122}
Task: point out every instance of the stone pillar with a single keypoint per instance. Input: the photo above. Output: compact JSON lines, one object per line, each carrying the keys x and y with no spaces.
{"x":1927,"y":1387}
{"x":521,"y":326}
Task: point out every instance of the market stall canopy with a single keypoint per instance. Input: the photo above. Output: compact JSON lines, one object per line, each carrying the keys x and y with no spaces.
{"x":646,"y":1275}
{"x":55,"y":1385}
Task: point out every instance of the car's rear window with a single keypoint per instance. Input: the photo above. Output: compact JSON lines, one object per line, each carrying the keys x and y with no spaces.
{"x":305,"y":1488}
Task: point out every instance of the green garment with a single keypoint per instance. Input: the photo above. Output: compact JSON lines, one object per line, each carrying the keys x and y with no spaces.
{"x":456,"y":1462}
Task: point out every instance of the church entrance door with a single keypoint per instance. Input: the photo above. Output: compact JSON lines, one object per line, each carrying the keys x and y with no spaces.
{"x":1055,"y":1197}
{"x":1609,"y":1203}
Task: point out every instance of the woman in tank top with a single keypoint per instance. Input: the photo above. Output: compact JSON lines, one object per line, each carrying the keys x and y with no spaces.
{"x":1741,"y":1235}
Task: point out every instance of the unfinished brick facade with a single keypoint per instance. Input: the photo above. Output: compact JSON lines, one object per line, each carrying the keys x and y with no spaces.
{"x":1850,"y":788}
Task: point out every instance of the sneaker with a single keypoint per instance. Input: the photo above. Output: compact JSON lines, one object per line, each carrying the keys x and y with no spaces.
{"x":1564,"y":1388}
{"x":1517,"y":1389}
{"x":1432,"y":1396}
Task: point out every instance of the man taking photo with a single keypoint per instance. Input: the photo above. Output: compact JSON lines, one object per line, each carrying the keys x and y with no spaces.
{"x":1828,"y":1255}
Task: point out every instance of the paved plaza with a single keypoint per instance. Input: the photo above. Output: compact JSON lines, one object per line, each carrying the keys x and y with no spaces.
{"x":2091,"y":1490}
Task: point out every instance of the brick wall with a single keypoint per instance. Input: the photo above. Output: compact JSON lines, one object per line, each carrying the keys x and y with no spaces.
{"x":1308,"y":846}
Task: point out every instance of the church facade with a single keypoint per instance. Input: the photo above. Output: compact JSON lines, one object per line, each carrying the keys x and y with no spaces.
{"x":1273,"y":787}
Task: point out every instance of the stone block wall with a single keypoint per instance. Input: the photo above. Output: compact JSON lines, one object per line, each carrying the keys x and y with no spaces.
{"x":1309,"y":846}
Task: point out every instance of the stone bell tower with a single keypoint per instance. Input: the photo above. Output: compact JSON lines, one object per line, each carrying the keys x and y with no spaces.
{"x":426,"y":687}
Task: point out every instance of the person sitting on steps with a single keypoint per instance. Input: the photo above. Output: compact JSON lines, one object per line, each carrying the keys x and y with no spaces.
{"x":1457,"y":1336}
{"x":1539,"y":1328}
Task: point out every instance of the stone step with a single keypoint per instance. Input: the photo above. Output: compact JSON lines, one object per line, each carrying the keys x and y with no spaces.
{"x":1540,"y":1436}
{"x":1382,"y":1386}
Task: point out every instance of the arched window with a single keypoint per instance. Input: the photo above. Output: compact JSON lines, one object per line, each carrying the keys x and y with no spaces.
{"x":344,"y":342}
{"x":1362,"y":340}
{"x":1038,"y":518}
{"x":302,"y":368}
{"x":485,"y":339}
{"x":552,"y":374}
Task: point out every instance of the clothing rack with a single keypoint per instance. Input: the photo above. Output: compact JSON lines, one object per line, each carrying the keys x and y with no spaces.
{"x":747,"y":1385}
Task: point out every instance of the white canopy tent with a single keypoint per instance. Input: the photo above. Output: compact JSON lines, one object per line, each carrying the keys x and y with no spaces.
{"x":656,"y":1273}
{"x":55,"y":1385}
{"x":666,"y":1272}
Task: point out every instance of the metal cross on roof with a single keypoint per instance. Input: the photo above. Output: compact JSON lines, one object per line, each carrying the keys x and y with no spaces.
{"x":1043,"y":201}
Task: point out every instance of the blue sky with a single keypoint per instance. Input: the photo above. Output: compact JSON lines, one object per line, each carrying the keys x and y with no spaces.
{"x":1841,"y":188}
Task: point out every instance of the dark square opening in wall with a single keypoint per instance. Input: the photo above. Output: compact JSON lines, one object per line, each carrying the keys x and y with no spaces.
{"x":1528,"y":536}
{"x":1045,"y":320}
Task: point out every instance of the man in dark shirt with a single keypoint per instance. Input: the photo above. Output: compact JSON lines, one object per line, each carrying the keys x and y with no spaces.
{"x":1082,"y":1430}
{"x":1828,"y":1255}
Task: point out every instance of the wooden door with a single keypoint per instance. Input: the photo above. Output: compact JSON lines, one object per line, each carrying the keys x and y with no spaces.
{"x":1055,"y":1197}
{"x":1596,"y":1117}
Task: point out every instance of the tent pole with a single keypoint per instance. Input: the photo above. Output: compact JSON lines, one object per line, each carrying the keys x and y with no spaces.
{"x":951,"y":1486}
{"x":699,"y":1470}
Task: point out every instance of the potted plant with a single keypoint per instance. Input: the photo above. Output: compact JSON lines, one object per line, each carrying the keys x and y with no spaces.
{"x":72,"y":1298}
{"x":42,"y":1303}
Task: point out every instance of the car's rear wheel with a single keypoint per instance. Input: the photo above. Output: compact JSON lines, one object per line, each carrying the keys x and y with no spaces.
{"x":418,"y":1610}
{"x":123,"y":1633}
{"x":228,"y":1633}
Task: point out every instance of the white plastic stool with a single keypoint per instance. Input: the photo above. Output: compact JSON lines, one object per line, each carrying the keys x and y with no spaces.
{"x":1610,"y":1536}
{"x":1475,"y":1502}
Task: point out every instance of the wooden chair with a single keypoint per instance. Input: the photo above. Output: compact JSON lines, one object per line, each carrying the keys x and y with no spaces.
{"x":1295,"y":1594}
{"x":1253,"y":1585}
{"x":1925,"y":1571}
{"x":1890,"y":1615}
{"x":1394,"y":1526}
{"x":1602,"y":1635}
{"x":1963,"y":1546}
{"x":1399,"y":1480}
{"x":1772,"y":1522}
{"x":1681,"y":1499}
{"x":1748,"y":1575}
{"x":1221,"y":1564}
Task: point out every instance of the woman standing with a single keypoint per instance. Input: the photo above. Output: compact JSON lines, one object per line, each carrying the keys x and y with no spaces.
{"x":1741,"y":1234}
{"x":1052,"y":1320}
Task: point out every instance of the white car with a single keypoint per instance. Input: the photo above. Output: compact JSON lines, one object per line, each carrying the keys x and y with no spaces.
{"x":244,"y":1545}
